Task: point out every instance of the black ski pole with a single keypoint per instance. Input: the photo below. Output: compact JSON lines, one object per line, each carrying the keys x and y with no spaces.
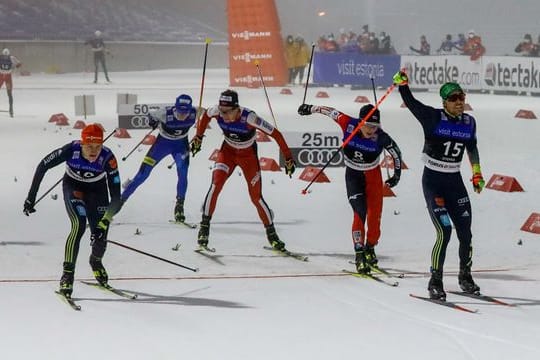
{"x":136,"y":146}
{"x":308,"y":72}
{"x":152,"y":256}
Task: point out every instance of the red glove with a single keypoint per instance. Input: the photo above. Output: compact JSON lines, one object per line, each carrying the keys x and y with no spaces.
{"x":477,"y":179}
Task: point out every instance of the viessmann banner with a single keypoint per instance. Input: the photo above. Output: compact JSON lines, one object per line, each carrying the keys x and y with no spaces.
{"x":354,"y":69}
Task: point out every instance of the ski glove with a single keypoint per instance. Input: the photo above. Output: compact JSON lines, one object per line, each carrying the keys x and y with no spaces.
{"x":392,"y":181}
{"x":477,"y":179}
{"x":290,"y":166}
{"x":153,"y":122}
{"x":100,"y":233}
{"x":28,"y":207}
{"x":304,"y":109}
{"x":196,"y":144}
{"x":400,"y":78}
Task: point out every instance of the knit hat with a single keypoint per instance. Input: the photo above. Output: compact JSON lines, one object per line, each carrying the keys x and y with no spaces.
{"x":448,"y":89}
{"x":183,"y":103}
{"x":92,"y":134}
{"x":228,"y":98}
{"x":374,"y":119}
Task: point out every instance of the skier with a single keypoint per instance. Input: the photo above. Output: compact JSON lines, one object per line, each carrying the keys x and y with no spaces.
{"x":174,"y":123}
{"x":99,"y":50}
{"x":448,"y":132}
{"x":7,"y":62}
{"x":91,"y":176}
{"x":363,"y":176}
{"x":239,"y":125}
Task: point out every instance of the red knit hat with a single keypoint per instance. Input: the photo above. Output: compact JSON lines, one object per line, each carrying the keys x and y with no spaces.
{"x":92,"y":134}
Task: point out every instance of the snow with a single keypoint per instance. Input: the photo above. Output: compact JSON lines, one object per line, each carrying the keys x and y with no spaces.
{"x":249,"y":303}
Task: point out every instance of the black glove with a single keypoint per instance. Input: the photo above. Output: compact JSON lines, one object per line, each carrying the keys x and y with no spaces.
{"x":28,"y":207}
{"x":304,"y":109}
{"x":153,"y":122}
{"x":392,"y":181}
{"x":290,"y":166}
{"x":100,"y":233}
{"x":196,"y":144}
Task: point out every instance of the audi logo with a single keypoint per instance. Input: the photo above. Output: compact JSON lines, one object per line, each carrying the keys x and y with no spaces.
{"x":139,"y":121}
{"x":319,"y":157}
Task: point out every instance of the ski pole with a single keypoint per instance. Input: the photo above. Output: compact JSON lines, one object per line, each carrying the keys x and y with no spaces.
{"x":152,"y":255}
{"x":346,"y":141}
{"x":375,"y":99}
{"x":265,"y":92}
{"x":308,"y":72}
{"x":60,"y":180}
{"x":199,"y":112}
{"x":136,"y":146}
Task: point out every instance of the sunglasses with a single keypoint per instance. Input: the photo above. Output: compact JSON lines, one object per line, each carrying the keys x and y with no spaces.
{"x":456,"y":97}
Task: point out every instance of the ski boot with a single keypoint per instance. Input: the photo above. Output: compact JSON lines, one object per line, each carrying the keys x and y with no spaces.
{"x":66,"y":281}
{"x":362,"y":265}
{"x":99,"y":271}
{"x":371,"y":257}
{"x":466,"y":282}
{"x":179,"y":211}
{"x":435,"y":286}
{"x":204,"y":231}
{"x":273,"y":238}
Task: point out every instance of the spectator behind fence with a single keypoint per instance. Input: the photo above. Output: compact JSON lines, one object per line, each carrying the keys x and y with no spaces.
{"x":289,"y":57}
{"x":301,"y":59}
{"x":473,"y":47}
{"x":526,"y":47}
{"x":385,"y":44}
{"x":447,"y":45}
{"x":425,"y":47}
{"x":460,"y":42}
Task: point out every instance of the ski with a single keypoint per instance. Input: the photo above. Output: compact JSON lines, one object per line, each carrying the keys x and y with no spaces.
{"x":187,"y":224}
{"x":481,"y":297}
{"x":372,"y":277}
{"x":111,"y":289}
{"x":204,"y":248}
{"x":68,"y":300}
{"x":378,"y":270}
{"x":444,"y":303}
{"x":287,"y":253}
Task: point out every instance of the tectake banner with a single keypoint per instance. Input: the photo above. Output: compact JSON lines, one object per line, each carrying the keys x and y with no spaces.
{"x":430,"y":72}
{"x":354,"y":69}
{"x":511,"y":73}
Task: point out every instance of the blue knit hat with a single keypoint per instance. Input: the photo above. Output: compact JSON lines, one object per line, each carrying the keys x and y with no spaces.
{"x":183,"y":103}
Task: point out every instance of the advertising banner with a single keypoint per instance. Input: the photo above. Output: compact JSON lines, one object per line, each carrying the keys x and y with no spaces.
{"x":353,"y":68}
{"x":430,"y":72}
{"x":255,"y":37}
{"x":511,"y":73}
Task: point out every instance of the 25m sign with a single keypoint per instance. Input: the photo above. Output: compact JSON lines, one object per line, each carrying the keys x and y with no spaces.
{"x":314,"y":148}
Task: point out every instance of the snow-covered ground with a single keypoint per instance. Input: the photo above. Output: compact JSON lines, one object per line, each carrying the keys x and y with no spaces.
{"x":249,"y":303}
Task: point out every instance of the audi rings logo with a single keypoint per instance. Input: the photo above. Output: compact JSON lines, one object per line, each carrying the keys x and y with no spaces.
{"x":318,"y":157}
{"x":139,"y":121}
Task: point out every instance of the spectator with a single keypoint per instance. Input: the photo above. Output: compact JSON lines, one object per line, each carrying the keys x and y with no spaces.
{"x":289,"y":57}
{"x":526,"y":47}
{"x":473,"y":47}
{"x":301,"y":59}
{"x":385,"y":43}
{"x":425,"y":47}
{"x":460,"y":42}
{"x":7,"y":63}
{"x":447,"y":45}
{"x":99,"y":50}
{"x":331,"y":44}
